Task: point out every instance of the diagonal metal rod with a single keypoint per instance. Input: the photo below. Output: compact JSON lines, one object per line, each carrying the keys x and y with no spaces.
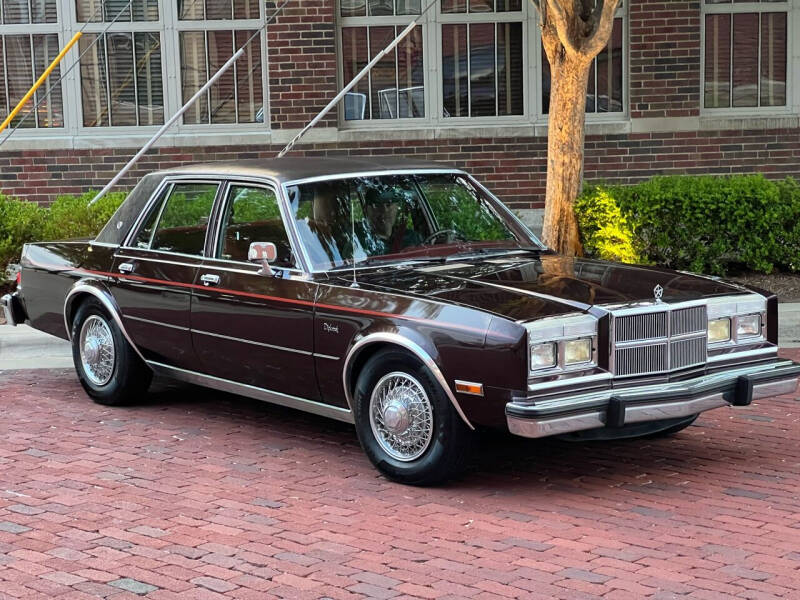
{"x":72,"y":66}
{"x":186,"y":106}
{"x":355,"y":80}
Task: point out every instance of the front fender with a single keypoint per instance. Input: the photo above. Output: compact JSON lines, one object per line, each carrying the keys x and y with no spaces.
{"x":407,"y":338}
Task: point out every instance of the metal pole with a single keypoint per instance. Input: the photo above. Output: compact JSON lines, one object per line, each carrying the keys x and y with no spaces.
{"x":168,"y":124}
{"x":40,"y":81}
{"x":349,"y":87}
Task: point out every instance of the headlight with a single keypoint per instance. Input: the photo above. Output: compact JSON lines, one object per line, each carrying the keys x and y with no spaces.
{"x":748,"y":326}
{"x":577,"y":351}
{"x":543,"y":356}
{"x":719,"y":330}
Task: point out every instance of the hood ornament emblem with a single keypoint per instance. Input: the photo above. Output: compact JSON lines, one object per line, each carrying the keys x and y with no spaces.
{"x":658,"y":292}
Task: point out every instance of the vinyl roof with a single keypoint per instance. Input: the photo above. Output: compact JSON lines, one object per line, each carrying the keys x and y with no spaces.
{"x":294,"y":168}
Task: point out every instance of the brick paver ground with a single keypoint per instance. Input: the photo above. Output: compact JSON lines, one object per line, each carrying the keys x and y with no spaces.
{"x":198,"y":495}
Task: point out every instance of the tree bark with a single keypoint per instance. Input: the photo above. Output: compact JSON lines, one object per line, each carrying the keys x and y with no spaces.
{"x":565,"y":136}
{"x":573,"y":33}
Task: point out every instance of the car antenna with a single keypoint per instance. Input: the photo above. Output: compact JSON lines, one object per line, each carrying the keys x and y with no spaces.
{"x":353,"y":237}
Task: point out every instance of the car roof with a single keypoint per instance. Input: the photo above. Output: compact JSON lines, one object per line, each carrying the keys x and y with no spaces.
{"x":295,"y":168}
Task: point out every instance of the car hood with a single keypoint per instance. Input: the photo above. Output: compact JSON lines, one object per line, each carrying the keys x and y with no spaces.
{"x":524,"y":289}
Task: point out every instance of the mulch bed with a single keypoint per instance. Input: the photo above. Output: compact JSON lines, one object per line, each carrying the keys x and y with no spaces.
{"x":785,"y":285}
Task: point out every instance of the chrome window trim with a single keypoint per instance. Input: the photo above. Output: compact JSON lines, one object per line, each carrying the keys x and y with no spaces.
{"x":170,"y":180}
{"x":251,"y":391}
{"x":416,"y":349}
{"x":374,"y":173}
{"x":496,"y":203}
{"x":223,"y":205}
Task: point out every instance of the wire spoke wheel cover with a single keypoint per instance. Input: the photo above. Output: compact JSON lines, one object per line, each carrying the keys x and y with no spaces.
{"x":98,"y":355}
{"x":401,"y":416}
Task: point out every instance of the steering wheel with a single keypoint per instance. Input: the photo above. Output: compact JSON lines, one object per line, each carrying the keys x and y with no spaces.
{"x":437,"y":234}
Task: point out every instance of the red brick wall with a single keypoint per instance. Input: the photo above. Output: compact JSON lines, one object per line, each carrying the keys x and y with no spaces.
{"x":514,"y":168}
{"x":302,"y":63}
{"x":664,"y":75}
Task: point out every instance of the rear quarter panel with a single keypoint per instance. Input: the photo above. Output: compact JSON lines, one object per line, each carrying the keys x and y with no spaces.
{"x":49,"y":270}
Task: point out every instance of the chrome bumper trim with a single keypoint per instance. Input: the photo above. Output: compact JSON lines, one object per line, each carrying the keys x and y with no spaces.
{"x":8,"y":310}
{"x":652,"y":402}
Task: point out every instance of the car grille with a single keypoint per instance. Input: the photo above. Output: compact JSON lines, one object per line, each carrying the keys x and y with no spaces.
{"x":659,"y":341}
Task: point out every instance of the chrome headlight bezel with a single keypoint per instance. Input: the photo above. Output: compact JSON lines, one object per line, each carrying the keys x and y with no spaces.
{"x":559,"y":332}
{"x":739,"y":311}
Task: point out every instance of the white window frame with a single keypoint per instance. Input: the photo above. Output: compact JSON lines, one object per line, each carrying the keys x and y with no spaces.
{"x":431,"y":25}
{"x":168,"y":26}
{"x":32,"y":29}
{"x":792,"y":10}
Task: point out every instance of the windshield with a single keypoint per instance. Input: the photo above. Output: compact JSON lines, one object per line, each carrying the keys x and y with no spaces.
{"x":397,"y":217}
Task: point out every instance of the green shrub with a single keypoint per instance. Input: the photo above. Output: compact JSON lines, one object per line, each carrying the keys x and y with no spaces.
{"x":72,"y":217}
{"x":703,"y":224}
{"x":605,"y":230}
{"x":20,"y":222}
{"x":68,"y":217}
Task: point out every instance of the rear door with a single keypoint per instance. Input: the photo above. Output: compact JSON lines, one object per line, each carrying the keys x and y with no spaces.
{"x":157,"y":267}
{"x":250,"y":327}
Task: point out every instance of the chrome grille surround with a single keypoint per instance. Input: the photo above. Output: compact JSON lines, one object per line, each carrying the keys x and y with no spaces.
{"x":658,"y":338}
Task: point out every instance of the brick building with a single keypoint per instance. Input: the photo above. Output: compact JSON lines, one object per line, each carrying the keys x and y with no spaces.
{"x":685,"y":86}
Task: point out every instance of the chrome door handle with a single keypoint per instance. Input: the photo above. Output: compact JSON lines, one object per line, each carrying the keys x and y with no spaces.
{"x":209,"y":279}
{"x":125,"y":268}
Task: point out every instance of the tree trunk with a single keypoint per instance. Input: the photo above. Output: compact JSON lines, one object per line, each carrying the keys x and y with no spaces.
{"x":569,"y":78}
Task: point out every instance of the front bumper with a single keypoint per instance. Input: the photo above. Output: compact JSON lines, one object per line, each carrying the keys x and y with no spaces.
{"x":12,"y":308}
{"x":615,"y":408}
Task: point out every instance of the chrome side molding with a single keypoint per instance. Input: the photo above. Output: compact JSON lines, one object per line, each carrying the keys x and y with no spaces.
{"x":257,"y":393}
{"x":416,"y":349}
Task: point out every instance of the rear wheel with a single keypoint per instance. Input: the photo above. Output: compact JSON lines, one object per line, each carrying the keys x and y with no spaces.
{"x":406,"y":423}
{"x":108,"y":368}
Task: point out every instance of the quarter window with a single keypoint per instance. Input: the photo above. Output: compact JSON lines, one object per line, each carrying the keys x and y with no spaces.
{"x":178,"y":223}
{"x":252,"y":215}
{"x":745,"y":54}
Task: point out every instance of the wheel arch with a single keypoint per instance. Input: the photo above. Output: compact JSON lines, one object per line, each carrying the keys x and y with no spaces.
{"x":93,"y":288}
{"x":368,"y":345}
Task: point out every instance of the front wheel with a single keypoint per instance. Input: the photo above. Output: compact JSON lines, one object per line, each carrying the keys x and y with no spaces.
{"x":406,"y":423}
{"x":108,"y":368}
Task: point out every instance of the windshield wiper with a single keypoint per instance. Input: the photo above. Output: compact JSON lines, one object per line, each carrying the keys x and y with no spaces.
{"x":483,"y":252}
{"x":380,"y":261}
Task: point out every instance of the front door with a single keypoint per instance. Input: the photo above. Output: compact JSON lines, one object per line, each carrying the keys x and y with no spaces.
{"x":247,"y":326}
{"x":157,"y":268}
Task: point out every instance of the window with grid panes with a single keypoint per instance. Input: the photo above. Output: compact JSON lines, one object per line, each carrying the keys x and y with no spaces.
{"x":29,"y":41}
{"x":745,"y":54}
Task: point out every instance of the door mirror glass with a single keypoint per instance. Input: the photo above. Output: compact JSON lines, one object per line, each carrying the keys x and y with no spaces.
{"x":261,"y":251}
{"x":265,"y":253}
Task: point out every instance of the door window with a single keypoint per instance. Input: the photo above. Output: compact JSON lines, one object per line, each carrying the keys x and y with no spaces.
{"x":178,"y":223}
{"x":252,"y":215}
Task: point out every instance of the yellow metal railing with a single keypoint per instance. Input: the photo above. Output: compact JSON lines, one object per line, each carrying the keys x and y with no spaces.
{"x":40,"y":81}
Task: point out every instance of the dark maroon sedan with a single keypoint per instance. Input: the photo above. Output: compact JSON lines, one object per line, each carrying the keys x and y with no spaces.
{"x":401,"y":297}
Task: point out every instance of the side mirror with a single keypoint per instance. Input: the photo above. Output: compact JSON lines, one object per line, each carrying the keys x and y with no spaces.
{"x":265,"y":253}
